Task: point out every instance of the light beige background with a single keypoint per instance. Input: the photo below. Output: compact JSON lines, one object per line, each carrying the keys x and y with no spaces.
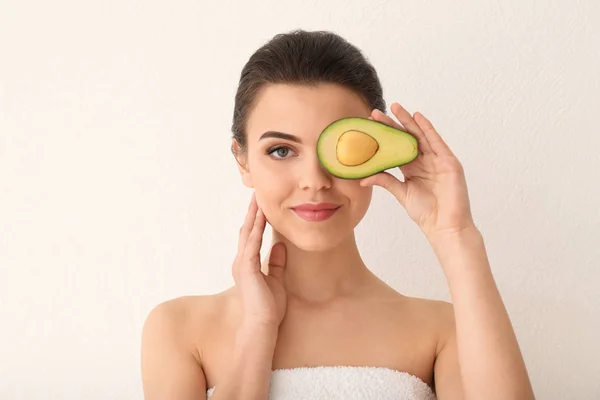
{"x":118,"y":190}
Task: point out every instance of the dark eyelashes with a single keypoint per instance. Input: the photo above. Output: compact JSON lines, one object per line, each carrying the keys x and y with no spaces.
{"x":274,"y":149}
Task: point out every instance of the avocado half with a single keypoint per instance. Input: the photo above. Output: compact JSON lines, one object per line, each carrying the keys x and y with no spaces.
{"x":354,"y":148}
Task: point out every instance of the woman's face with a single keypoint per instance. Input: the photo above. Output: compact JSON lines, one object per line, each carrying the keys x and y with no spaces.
{"x":282,"y":167}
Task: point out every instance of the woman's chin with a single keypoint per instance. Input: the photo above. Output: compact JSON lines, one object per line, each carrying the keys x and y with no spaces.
{"x":315,"y":243}
{"x":320,"y":237}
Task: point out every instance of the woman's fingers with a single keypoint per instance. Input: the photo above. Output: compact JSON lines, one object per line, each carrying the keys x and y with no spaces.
{"x":388,"y":182}
{"x":247,"y":225}
{"x":437,"y":144}
{"x":379,"y":116}
{"x":411,"y":127}
{"x":251,"y":256}
{"x":277,"y":261}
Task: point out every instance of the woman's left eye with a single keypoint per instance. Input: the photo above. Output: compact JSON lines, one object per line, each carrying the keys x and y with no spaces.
{"x":280,"y":152}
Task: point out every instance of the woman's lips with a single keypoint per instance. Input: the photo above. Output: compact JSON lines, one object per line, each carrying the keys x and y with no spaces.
{"x":316,"y":212}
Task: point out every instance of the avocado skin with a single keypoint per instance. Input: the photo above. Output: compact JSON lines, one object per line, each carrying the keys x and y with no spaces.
{"x":396,"y":147}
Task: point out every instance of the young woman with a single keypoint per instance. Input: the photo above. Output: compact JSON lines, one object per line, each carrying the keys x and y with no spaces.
{"x":313,"y":322}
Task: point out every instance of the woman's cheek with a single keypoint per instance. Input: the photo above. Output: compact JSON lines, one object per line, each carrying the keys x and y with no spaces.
{"x":266,"y":174}
{"x":360,"y":199}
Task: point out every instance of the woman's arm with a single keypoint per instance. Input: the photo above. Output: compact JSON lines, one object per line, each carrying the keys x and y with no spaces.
{"x":435,"y":196}
{"x":249,"y":375}
{"x":484,"y":344}
{"x":171,"y":370}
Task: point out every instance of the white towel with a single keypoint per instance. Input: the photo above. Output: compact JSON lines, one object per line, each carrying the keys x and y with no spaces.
{"x":347,"y":383}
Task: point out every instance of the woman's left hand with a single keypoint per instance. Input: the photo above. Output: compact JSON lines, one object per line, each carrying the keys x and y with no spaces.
{"x":434,"y":192}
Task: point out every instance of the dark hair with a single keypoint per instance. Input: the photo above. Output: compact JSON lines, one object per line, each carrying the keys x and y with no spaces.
{"x":306,"y":58}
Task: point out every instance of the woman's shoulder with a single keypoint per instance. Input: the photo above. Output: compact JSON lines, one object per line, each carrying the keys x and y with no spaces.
{"x":426,"y":309}
{"x":190,"y":318}
{"x":194,"y":308}
{"x":431,"y":308}
{"x":193,"y":305}
{"x":431,"y":316}
{"x":437,"y":315}
{"x":172,"y":357}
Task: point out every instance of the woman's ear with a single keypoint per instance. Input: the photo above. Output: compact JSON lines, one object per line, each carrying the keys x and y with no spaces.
{"x":242,"y":161}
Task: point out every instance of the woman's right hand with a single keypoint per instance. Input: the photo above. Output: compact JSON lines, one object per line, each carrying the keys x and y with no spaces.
{"x":263,"y":295}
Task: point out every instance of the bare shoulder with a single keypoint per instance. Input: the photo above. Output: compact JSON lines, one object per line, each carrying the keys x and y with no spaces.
{"x":438,"y":309}
{"x":439,"y":316}
{"x":187,"y":318}
{"x":434,"y":317}
{"x":171,"y":353}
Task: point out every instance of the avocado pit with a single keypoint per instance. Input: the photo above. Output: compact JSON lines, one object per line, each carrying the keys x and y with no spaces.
{"x":355,"y":148}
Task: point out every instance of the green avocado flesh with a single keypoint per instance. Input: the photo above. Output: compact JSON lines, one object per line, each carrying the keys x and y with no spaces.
{"x":354,"y":148}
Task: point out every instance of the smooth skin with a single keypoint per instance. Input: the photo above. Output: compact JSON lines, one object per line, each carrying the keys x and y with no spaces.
{"x":313,"y":301}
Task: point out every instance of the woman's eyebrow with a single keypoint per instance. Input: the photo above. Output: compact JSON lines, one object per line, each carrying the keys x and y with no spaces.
{"x":280,"y":135}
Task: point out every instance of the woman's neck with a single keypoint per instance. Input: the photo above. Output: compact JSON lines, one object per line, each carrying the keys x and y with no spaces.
{"x":320,"y":277}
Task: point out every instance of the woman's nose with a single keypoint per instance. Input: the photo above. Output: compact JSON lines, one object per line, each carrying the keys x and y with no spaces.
{"x":312,"y":175}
